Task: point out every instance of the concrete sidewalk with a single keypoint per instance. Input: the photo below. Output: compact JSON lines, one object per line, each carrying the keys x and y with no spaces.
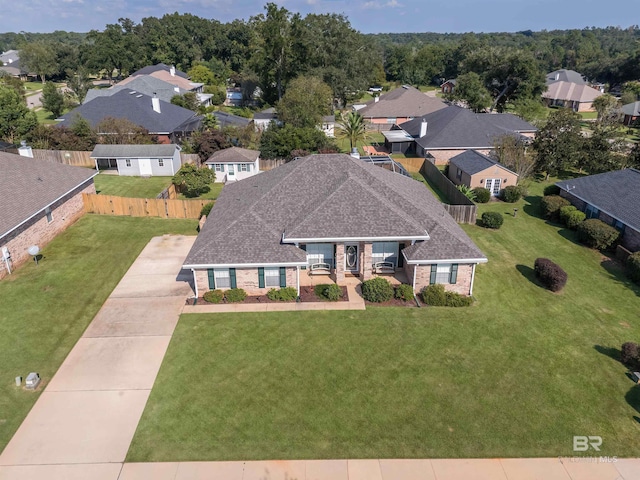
{"x":90,"y":409}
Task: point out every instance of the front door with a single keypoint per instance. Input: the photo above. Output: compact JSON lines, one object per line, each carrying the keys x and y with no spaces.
{"x":351,"y":258}
{"x":493,"y":185}
{"x":145,"y":167}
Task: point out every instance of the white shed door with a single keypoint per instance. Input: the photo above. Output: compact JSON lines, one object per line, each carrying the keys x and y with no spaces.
{"x":145,"y":166}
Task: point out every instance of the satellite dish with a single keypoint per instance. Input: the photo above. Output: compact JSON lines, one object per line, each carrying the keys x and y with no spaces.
{"x":33,"y":251}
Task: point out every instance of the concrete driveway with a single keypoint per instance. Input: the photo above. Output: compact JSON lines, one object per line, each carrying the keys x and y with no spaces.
{"x":91,"y":407}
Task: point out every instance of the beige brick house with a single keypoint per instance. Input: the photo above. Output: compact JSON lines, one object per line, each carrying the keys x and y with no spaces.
{"x":333,"y":215}
{"x":38,"y":200}
{"x":473,"y":169}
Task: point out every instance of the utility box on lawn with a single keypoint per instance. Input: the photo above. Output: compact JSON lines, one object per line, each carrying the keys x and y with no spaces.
{"x":32,"y":381}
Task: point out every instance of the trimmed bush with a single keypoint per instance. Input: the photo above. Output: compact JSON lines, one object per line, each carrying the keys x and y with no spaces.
{"x":482,"y":194}
{"x":633,"y":266}
{"x":630,"y":353}
{"x":565,"y":211}
{"x":206,"y":209}
{"x":511,"y":194}
{"x":285,"y":294}
{"x":595,"y":233}
{"x":551,"y":190}
{"x":328,"y":291}
{"x":235,"y":295}
{"x":377,"y":290}
{"x":404,"y":292}
{"x":492,"y":220}
{"x":550,"y":274}
{"x":435,"y":295}
{"x":551,"y":205}
{"x":213,"y":296}
{"x":574,"y":219}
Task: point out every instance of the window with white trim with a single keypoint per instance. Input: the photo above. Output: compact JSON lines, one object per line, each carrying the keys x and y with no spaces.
{"x":161,"y":162}
{"x":443,"y":273}
{"x":320,"y":253}
{"x":222,"y":278}
{"x":243,"y":167}
{"x":218,"y":167}
{"x":272,"y":277}
{"x":47,"y":212}
{"x":384,"y":252}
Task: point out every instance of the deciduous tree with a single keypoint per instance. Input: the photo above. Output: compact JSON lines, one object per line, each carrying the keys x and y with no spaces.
{"x":559,"y":143}
{"x":38,"y":58}
{"x":194,"y":181}
{"x":307,"y":100}
{"x":15,"y":118}
{"x":471,"y":90}
{"x":52,"y":99}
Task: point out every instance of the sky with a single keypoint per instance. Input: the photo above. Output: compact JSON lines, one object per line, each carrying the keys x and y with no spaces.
{"x":367,"y":16}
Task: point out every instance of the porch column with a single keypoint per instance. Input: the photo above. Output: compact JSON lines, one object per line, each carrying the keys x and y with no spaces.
{"x":339,"y":263}
{"x":367,"y":263}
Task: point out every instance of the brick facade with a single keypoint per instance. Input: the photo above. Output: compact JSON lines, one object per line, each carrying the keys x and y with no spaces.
{"x":423,"y":276}
{"x":39,"y":231}
{"x":246,"y":278}
{"x":442,"y":157}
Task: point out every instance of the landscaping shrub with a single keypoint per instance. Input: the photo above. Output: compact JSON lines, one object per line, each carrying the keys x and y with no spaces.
{"x":492,"y":220}
{"x":404,"y":292}
{"x":436,"y":296}
{"x":206,"y":209}
{"x":630,"y":353}
{"x":377,"y":290}
{"x":482,"y":194}
{"x":235,"y":295}
{"x":550,"y":274}
{"x":285,"y":294}
{"x":633,"y":266}
{"x":551,"y":205}
{"x":574,"y":219}
{"x":467,"y":192}
{"x":565,"y":211}
{"x":551,"y":190}
{"x":213,"y":296}
{"x":511,"y":194}
{"x":596,"y":234}
{"x":328,"y":291}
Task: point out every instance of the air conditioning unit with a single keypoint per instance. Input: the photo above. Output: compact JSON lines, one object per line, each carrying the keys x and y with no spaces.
{"x":32,"y":381}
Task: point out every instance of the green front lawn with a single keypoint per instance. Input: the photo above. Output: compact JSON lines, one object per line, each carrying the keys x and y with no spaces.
{"x":212,"y":194}
{"x":518,"y":374}
{"x":45,"y":308}
{"x":136,"y":187}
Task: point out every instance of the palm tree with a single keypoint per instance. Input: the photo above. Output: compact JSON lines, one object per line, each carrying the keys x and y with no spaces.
{"x":352,"y":126}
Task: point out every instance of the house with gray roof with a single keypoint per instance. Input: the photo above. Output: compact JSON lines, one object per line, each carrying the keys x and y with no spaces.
{"x":398,"y":106}
{"x":235,"y":163}
{"x":226,"y":119}
{"x":576,"y":96}
{"x":329,"y":214}
{"x":473,"y":169}
{"x":613,"y":197}
{"x":138,"y":160}
{"x":160,"y":67}
{"x":10,"y":64}
{"x":145,"y":84}
{"x":168,"y":122}
{"x":631,"y":112}
{"x":564,"y":75}
{"x":39,"y":200}
{"x":443,"y":134}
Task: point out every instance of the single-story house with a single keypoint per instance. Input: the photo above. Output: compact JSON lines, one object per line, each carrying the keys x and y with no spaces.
{"x":168,"y":122}
{"x":261,"y":120}
{"x":398,"y":106}
{"x":160,"y":67}
{"x":230,"y":120}
{"x":613,"y":197}
{"x":448,"y":86}
{"x":631,"y":112}
{"x":234,"y":163}
{"x":474,"y":169}
{"x":328,"y":125}
{"x":138,"y":160}
{"x":39,"y":200}
{"x":441,"y":135}
{"x":565,"y":75}
{"x":578,"y":97}
{"x":10,"y":65}
{"x":331,"y":214}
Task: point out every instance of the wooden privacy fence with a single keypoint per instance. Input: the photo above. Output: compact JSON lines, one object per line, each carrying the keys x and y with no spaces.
{"x":142,"y":207}
{"x":459,"y":207}
{"x":67,"y":157}
{"x":411,"y":164}
{"x":169,"y":193}
{"x":271,"y":164}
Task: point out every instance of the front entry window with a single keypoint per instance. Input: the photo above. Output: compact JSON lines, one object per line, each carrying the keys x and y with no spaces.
{"x":231,"y":169}
{"x":352,"y":256}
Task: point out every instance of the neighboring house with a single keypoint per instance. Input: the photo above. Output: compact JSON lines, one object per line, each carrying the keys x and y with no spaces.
{"x":234,"y":163}
{"x":145,"y":84}
{"x":333,"y":214}
{"x":474,"y":169}
{"x":160,"y":67}
{"x":631,"y":112}
{"x":39,"y":200}
{"x":448,"y":86}
{"x":234,"y":97}
{"x":10,"y":64}
{"x":443,"y":134}
{"x":170,"y":75}
{"x":138,"y":160}
{"x":564,"y":75}
{"x":398,"y":106}
{"x":613,"y":197}
{"x":168,"y":122}
{"x":230,"y":120}
{"x":578,"y":97}
{"x":328,"y":125}
{"x":261,"y":120}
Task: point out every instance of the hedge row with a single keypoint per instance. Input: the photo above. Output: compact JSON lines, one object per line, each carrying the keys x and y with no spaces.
{"x":436,"y":296}
{"x":233,"y":295}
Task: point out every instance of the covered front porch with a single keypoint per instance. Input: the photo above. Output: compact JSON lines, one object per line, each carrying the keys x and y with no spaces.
{"x":307,"y":278}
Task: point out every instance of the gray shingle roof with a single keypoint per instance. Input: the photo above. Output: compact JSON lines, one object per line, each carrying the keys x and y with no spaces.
{"x":267,"y":114}
{"x":234,"y":155}
{"x":135,"y":107}
{"x":225,"y":119}
{"x":28,"y":186}
{"x":570,"y":91}
{"x":324,"y":197}
{"x":631,"y":109}
{"x":457,"y":127}
{"x":564,"y":75}
{"x":134,"y":151}
{"x":473,"y":162}
{"x":402,"y":102}
{"x":149,"y":69}
{"x":145,"y":84}
{"x":617,"y":193}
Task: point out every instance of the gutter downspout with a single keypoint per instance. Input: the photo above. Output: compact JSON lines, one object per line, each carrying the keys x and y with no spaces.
{"x":298,"y":279}
{"x":473,"y":275}
{"x":195,"y":282}
{"x":413,"y":285}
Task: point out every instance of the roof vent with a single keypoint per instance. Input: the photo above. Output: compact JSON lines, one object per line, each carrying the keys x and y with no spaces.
{"x":138,"y":96}
{"x":406,"y":87}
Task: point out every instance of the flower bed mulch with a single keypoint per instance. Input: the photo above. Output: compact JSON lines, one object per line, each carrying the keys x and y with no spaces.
{"x":307,"y":294}
{"x":394,"y":302}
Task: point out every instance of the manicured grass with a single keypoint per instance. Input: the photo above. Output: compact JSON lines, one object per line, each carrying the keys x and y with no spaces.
{"x":136,"y":187}
{"x":518,"y":374}
{"x":212,"y":194}
{"x":45,"y":308}
{"x":431,"y":186}
{"x":46,"y":117}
